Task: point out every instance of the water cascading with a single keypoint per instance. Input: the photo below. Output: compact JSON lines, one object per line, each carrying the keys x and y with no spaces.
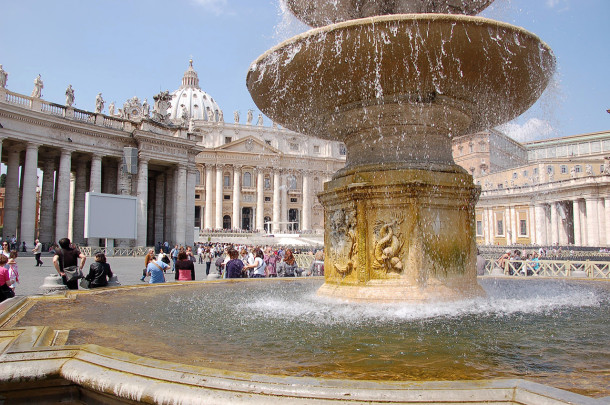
{"x":395,"y":81}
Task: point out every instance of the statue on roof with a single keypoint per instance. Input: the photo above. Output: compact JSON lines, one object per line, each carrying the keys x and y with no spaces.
{"x":38,"y":86}
{"x":250,"y":116}
{"x":221,"y":117}
{"x":146,"y":108}
{"x":111,"y":109}
{"x":69,"y":96}
{"x":3,"y":77}
{"x":259,"y":122}
{"x":236,"y":116}
{"x":161,"y":107}
{"x":99,"y":103}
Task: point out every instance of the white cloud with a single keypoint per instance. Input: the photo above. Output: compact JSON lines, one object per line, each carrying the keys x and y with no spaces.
{"x":215,"y":6}
{"x":532,"y":130}
{"x":561,"y":5}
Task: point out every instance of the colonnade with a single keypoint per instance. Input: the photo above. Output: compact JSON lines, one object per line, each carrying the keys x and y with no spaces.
{"x":581,"y":221}
{"x":165,"y":193}
{"x":265,"y":182}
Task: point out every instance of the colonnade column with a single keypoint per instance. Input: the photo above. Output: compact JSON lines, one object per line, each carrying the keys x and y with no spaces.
{"x":276,"y":202}
{"x":592,"y":221}
{"x":11,"y":195}
{"x":80,"y":188}
{"x":45,"y":233}
{"x":306,"y":226}
{"x":124,"y":180}
{"x":485,"y":222}
{"x":180,"y":209}
{"x":563,"y":223}
{"x":95,"y":186}
{"x":28,"y":200}
{"x":260,"y":200}
{"x":191,"y":179}
{"x":169,"y":223}
{"x":576,"y":222}
{"x":219,"y":196}
{"x":209,"y":184}
{"x":601,"y":222}
{"x":554,"y":228}
{"x":540,"y":224}
{"x":62,"y":211}
{"x":236,"y":223}
{"x":142,"y":194}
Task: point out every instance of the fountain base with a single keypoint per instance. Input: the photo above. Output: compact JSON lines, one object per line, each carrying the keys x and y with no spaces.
{"x":400,"y":234}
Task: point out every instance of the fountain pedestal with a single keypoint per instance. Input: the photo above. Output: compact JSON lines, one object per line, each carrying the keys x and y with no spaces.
{"x":395,"y":234}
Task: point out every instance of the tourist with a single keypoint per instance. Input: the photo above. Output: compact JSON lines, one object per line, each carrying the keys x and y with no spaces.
{"x":5,"y":280}
{"x":185,"y":268}
{"x":174,"y":256}
{"x":150,"y":256}
{"x":200,"y":253}
{"x":13,"y":270}
{"x":480,"y":264}
{"x":156,"y":270}
{"x":99,"y":272}
{"x":501,"y":261}
{"x":258,"y":265}
{"x":163,"y":257}
{"x":67,"y":256}
{"x":234,"y":267}
{"x":207,"y":257}
{"x":37,"y":252}
{"x":190,"y":255}
{"x":270,"y":259}
{"x":317,"y":266}
{"x":6,"y":250}
{"x":288,"y":265}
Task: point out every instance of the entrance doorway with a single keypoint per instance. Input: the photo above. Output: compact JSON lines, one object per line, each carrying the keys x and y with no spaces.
{"x":246,"y":218}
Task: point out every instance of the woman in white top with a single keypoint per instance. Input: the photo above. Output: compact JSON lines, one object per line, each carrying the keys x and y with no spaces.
{"x":258,"y":265}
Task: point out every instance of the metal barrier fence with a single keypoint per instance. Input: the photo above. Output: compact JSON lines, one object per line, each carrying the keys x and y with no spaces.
{"x":549,"y":268}
{"x":116,"y":251}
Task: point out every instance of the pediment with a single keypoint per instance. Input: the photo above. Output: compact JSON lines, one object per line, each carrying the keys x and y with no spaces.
{"x":249,"y":144}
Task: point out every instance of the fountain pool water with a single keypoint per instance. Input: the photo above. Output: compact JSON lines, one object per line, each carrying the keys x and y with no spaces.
{"x":548,"y":331}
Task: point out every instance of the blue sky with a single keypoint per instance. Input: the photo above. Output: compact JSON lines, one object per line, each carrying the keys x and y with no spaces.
{"x":126,"y":48}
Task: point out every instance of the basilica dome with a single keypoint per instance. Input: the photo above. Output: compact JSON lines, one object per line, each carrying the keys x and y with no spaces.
{"x":189,"y":101}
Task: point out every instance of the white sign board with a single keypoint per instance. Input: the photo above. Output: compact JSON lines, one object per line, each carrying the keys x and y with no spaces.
{"x":111,"y":216}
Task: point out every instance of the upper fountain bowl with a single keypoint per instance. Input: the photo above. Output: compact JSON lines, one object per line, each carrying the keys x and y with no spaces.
{"x":401,"y":76}
{"x":318,"y":13}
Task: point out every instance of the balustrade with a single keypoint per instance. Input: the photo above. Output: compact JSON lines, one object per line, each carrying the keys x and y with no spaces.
{"x":14,"y":98}
{"x":549,"y":268}
{"x":53,"y":109}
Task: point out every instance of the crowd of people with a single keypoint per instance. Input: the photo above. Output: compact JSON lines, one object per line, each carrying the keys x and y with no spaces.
{"x":230,"y":261}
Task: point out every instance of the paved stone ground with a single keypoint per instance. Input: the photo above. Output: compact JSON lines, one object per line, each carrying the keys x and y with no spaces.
{"x":128,"y":270}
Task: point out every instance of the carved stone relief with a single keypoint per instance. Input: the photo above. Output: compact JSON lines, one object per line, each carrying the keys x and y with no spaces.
{"x":343,"y":240}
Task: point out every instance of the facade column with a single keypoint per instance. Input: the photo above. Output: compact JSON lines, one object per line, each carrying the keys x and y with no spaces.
{"x":283,"y":202}
{"x":276,"y":202}
{"x":531,"y":228}
{"x":80,"y":188}
{"x":169,"y":221}
{"x":11,"y":195}
{"x":180,"y":209}
{"x":592,"y":221}
{"x":507,"y":227}
{"x":540,"y":224}
{"x":601,"y":221}
{"x":219,"y":196}
{"x":46,"y":202}
{"x":142,"y":194}
{"x":159,"y":208}
{"x":28,"y":201}
{"x":563,"y":223}
{"x":62,"y":211}
{"x":236,"y":222}
{"x":260,"y":199}
{"x":191,"y":179}
{"x":124,"y":180}
{"x":485,"y":223}
{"x":306,"y":225}
{"x":95,"y":186}
{"x":209,"y":188}
{"x":607,"y":212}
{"x":514,"y":225}
{"x":576,"y":222}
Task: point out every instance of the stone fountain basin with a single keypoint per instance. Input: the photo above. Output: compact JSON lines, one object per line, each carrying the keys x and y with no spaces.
{"x":108,"y":344}
{"x":420,"y":73}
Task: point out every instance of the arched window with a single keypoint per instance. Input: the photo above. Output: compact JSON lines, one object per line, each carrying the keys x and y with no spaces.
{"x":247,"y":179}
{"x":292,"y":182}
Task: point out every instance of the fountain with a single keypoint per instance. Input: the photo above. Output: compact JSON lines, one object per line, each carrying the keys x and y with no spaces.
{"x":395,"y":88}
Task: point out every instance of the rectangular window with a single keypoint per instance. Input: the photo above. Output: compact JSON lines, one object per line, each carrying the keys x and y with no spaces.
{"x":515,"y":175}
{"x":535,"y":171}
{"x":578,"y":169}
{"x":294,"y":146}
{"x":549,"y":170}
{"x":316,"y":149}
{"x":500,"y":227}
{"x":342,"y":150}
{"x":197,"y":196}
{"x":267,"y":199}
{"x":227,"y":196}
{"x":226,"y":181}
{"x":293,"y":200}
{"x":564,"y":169}
{"x":525,"y":173}
{"x":479,"y":228}
{"x":228,"y":139}
{"x":522,"y":227}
